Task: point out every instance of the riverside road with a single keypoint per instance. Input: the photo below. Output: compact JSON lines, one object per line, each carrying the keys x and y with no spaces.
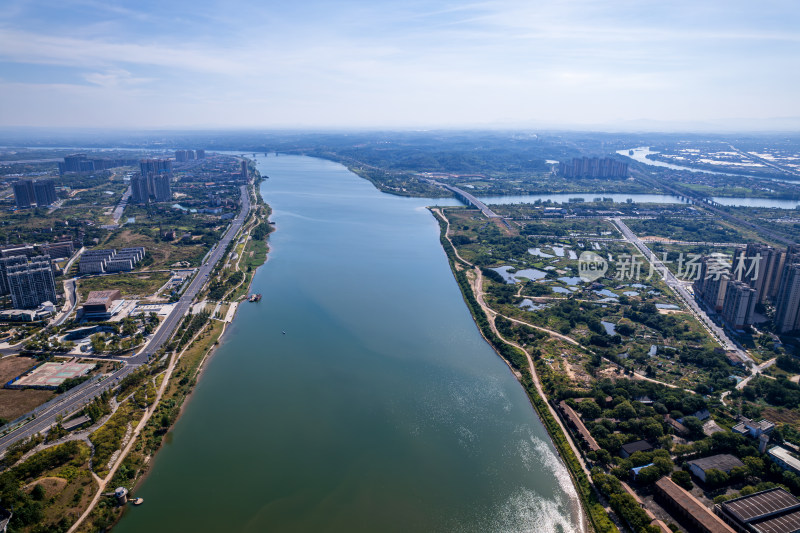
{"x":75,"y":398}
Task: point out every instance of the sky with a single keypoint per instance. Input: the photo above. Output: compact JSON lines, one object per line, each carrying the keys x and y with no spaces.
{"x":398,"y":64}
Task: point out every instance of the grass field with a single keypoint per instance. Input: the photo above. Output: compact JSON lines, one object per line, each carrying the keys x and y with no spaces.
{"x":131,"y":284}
{"x":254,"y":255}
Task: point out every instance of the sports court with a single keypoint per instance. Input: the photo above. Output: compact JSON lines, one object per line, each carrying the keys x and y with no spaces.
{"x":51,"y":375}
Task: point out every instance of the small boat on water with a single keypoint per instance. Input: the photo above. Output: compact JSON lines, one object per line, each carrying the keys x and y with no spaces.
{"x":254,"y":298}
{"x":137,"y":501}
{"x":284,"y":332}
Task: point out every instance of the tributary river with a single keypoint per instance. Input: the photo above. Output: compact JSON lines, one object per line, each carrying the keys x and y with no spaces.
{"x":379,"y":409}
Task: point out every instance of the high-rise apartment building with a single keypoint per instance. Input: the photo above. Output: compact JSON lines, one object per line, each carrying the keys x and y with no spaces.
{"x":5,"y":263}
{"x":140,"y":192}
{"x":23,"y":194}
{"x":787,"y":302}
{"x":161,"y":187}
{"x":45,"y":192}
{"x":155,"y":166}
{"x":185,"y":155}
{"x":31,"y":283}
{"x":81,"y":163}
{"x":711,"y":284}
{"x":585,"y":167}
{"x":40,"y":192}
{"x":739,"y":304}
{"x":155,"y":186}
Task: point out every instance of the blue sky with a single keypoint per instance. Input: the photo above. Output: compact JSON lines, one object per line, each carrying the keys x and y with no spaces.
{"x":353,"y":64}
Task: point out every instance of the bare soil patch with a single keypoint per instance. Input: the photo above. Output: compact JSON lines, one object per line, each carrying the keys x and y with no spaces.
{"x":15,"y":403}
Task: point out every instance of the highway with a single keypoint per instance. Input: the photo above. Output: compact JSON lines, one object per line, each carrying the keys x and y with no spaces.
{"x":677,"y":287}
{"x":77,"y":397}
{"x":704,"y":202}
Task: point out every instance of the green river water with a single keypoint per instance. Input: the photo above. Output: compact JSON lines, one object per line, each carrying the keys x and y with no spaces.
{"x":381,"y":408}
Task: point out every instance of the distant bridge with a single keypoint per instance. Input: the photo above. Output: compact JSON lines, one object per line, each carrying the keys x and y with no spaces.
{"x":467,"y":198}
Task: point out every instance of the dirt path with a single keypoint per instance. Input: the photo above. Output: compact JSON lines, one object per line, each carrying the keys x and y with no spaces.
{"x":103,"y":482}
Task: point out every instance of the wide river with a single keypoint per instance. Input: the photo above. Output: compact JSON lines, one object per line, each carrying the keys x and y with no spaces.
{"x":381,"y":408}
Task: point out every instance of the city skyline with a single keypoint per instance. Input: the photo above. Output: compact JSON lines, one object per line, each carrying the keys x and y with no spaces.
{"x":623,"y":65}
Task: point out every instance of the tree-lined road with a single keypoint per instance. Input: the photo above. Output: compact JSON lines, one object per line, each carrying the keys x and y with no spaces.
{"x":677,"y":287}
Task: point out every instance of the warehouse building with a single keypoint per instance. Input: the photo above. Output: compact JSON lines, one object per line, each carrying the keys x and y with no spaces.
{"x":723,"y":462}
{"x":769,"y":511}
{"x":688,"y":508}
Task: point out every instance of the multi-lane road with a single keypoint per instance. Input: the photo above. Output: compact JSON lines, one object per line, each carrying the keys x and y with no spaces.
{"x":74,"y":399}
{"x":678,"y":288}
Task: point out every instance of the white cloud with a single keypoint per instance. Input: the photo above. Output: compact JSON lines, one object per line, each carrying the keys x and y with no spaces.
{"x":411,"y":63}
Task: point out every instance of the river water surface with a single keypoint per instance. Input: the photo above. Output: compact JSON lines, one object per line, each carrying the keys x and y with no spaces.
{"x":381,"y":408}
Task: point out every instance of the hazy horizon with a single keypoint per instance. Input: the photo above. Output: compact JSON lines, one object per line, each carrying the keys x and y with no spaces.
{"x":357,"y":65}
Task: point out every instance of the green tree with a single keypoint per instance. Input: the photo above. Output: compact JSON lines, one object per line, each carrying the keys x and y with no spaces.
{"x":624,"y":411}
{"x":38,"y":493}
{"x":683,"y":479}
{"x":589,"y":409}
{"x":716,"y":477}
{"x":755,"y":465}
{"x":98,"y":343}
{"x":695,"y":427}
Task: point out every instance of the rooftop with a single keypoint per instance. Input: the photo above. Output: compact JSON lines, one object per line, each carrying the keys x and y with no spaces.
{"x":102,"y":297}
{"x":724,"y":462}
{"x":786,"y":523}
{"x":786,"y":456}
{"x":769,"y":511}
{"x":638,"y":446}
{"x":692,"y":506}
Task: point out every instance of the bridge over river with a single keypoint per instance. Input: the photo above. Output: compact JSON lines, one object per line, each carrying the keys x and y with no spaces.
{"x":466,"y":197}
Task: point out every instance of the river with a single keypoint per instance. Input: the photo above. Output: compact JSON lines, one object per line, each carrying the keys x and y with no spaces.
{"x":381,"y":408}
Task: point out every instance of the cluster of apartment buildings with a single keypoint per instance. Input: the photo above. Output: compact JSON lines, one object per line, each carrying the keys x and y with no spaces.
{"x":770,"y":275}
{"x":110,"y":260}
{"x":81,"y":163}
{"x":593,"y":167}
{"x":153,"y":182}
{"x":182,"y":156}
{"x":30,"y":192}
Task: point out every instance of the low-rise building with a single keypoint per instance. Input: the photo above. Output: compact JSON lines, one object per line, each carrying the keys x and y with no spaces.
{"x":18,"y":315}
{"x":119,"y":265}
{"x":58,"y":250}
{"x":632,"y":447}
{"x":784,"y":458}
{"x":768,"y":511}
{"x":636,"y":469}
{"x":94,"y":261}
{"x":679,"y":428}
{"x":102,"y":305}
{"x":723,"y":462}
{"x":753,"y":429}
{"x":575,"y":421}
{"x":110,"y":260}
{"x":688,"y":508}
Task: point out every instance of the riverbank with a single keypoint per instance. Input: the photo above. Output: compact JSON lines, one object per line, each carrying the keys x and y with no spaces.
{"x":521,"y":363}
{"x":177,"y":370}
